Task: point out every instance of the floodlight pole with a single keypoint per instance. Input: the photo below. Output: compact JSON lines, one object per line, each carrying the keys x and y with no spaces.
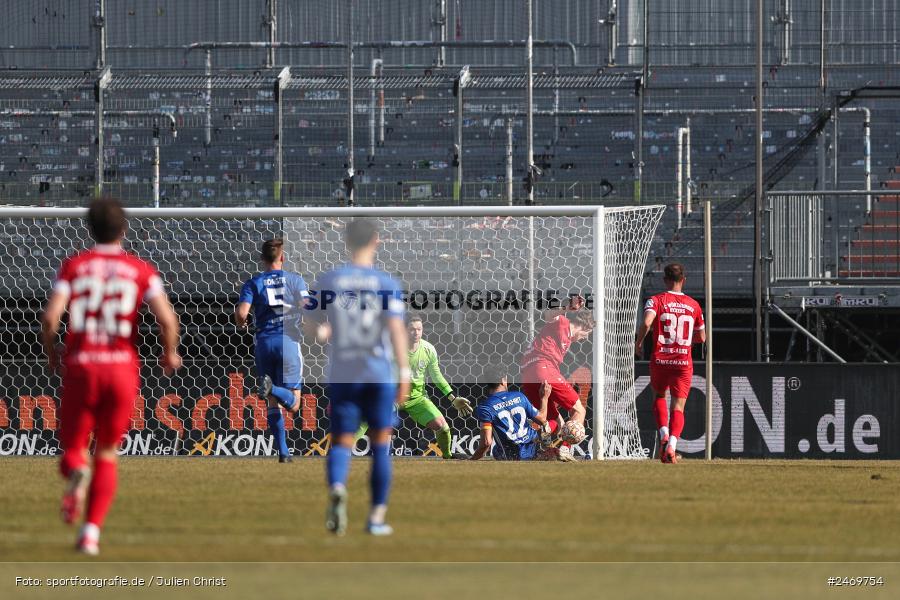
{"x":376,"y":100}
{"x":457,"y":189}
{"x":99,"y":87}
{"x":821,"y":143}
{"x":708,"y":300}
{"x":155,"y":175}
{"x":351,"y":173}
{"x":280,"y":84}
{"x":786,"y":21}
{"x":441,"y":22}
{"x":836,"y":185}
{"x":612,"y":23}
{"x":509,"y":161}
{"x":531,"y":172}
{"x":529,"y":101}
{"x":555,"y":98}
{"x":207,"y":131}
{"x":822,"y":76}
{"x":760,"y":192}
{"x":100,"y":25}
{"x":641,"y":91}
{"x":270,"y":21}
{"x":462,"y":81}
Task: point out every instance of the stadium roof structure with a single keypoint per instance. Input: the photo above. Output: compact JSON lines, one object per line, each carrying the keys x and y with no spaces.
{"x":40,"y":80}
{"x":263,"y":79}
{"x":598,"y":81}
{"x":368,"y":82}
{"x":494,"y":82}
{"x":191,"y":81}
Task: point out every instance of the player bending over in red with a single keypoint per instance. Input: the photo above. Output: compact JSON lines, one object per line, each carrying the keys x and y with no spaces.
{"x":541,"y":362}
{"x":679,"y":324}
{"x":102,"y":288}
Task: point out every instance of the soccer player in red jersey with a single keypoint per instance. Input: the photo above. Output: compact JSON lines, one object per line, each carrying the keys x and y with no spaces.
{"x":541,"y":362}
{"x":679,"y":324}
{"x":102,"y":288}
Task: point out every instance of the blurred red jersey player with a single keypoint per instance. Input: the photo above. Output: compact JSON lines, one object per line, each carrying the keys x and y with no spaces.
{"x":102,"y":288}
{"x":678,"y":325}
{"x":541,"y":363}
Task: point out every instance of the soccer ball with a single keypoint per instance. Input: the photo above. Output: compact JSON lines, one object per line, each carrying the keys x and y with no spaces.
{"x":572,"y":432}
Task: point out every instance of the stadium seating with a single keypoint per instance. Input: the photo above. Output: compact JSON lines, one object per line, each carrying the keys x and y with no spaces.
{"x":48,"y":159}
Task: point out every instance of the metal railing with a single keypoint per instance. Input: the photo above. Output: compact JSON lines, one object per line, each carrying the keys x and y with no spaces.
{"x":191,"y":192}
{"x":835,"y":236}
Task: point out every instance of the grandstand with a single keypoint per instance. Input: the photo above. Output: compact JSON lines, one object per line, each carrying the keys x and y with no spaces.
{"x":244,"y":141}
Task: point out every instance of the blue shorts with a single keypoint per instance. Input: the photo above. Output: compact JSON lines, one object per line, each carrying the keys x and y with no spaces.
{"x":352,"y":403}
{"x":510,"y":451}
{"x":279,"y":357}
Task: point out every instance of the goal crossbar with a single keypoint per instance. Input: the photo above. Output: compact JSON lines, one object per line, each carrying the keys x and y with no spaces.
{"x":321,"y":211}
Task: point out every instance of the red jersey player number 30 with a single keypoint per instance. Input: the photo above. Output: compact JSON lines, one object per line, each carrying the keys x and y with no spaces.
{"x":678,"y":317}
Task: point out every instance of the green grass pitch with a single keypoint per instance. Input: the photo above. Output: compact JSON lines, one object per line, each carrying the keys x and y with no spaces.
{"x":196,"y":509}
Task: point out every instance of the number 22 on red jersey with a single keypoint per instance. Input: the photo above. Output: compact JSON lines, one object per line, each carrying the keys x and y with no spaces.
{"x":100,"y":308}
{"x":105,"y":290}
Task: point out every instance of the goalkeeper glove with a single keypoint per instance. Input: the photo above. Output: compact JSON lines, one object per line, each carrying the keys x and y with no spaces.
{"x":546,"y":436}
{"x":462,"y":406}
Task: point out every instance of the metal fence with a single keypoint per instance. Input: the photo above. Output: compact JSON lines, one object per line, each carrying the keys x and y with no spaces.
{"x":252,"y":134}
{"x":842,"y":236}
{"x":68,"y":33}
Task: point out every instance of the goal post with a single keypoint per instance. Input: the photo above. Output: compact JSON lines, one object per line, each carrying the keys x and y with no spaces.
{"x":598,"y":445}
{"x":624,"y":234}
{"x":478,"y":276}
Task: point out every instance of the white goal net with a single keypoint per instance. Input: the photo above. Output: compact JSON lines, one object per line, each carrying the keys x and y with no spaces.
{"x":480,"y":278}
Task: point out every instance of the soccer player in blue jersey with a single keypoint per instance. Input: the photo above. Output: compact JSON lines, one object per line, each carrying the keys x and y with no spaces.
{"x":518,"y":424}
{"x":276,"y":297}
{"x":359,"y":311}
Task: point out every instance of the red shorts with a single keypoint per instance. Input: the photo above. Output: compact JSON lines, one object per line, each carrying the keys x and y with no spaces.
{"x":676,"y":380}
{"x":98,"y":399}
{"x":562,"y":394}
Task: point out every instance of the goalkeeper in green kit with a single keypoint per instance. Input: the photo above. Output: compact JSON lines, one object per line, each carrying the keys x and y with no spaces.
{"x":423,"y":362}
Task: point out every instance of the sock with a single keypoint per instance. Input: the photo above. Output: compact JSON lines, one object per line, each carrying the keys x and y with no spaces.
{"x":90,"y":531}
{"x":71,"y":460}
{"x":677,"y":427}
{"x":554,"y":425}
{"x":338,"y":466}
{"x":276,"y":428}
{"x":381,"y":473}
{"x":661,"y":412}
{"x":677,"y":422}
{"x":663,"y":432}
{"x":444,"y":439}
{"x":376,"y":515}
{"x":284,"y":396}
{"x":103,"y":490}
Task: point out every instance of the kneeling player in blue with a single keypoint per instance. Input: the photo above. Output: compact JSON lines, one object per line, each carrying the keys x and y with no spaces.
{"x":276,"y":297}
{"x":517,"y":422}
{"x":359,"y":311}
